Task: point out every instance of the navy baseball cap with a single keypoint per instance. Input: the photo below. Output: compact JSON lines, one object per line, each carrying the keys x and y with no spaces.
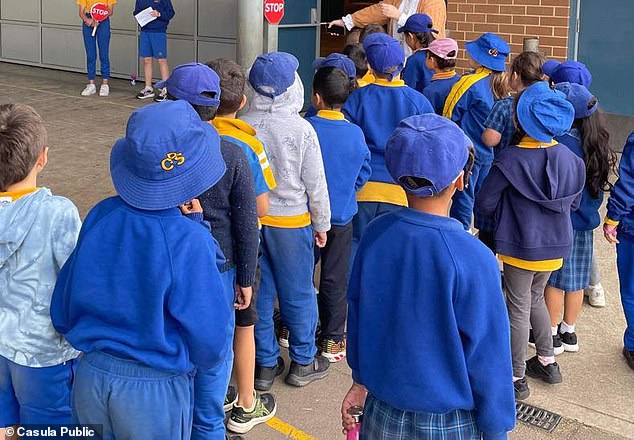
{"x":385,"y":54}
{"x":544,"y":113}
{"x":167,"y":157}
{"x":581,"y":99}
{"x":195,"y":83}
{"x":549,"y":66}
{"x":572,"y":72}
{"x":490,"y":51}
{"x":273,"y":73}
{"x":339,"y":61}
{"x":418,"y":23}
{"x":427,"y":147}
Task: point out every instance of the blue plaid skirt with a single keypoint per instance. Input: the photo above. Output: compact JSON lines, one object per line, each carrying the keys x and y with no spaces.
{"x":384,"y":422}
{"x":575,"y":273}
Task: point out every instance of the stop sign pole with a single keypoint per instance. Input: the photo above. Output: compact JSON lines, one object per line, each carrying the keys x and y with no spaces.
{"x":273,"y":14}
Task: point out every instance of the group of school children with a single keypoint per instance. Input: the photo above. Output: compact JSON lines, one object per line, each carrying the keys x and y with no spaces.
{"x":135,"y":320}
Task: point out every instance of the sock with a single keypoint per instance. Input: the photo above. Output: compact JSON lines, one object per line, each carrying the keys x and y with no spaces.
{"x":252,"y":408}
{"x":546,"y":360}
{"x":515,"y":379}
{"x":554,"y":330}
{"x":566,"y":328}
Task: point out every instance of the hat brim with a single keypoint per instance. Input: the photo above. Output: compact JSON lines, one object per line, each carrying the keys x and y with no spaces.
{"x":154,"y":195}
{"x":484,"y":59}
{"x":404,"y":29}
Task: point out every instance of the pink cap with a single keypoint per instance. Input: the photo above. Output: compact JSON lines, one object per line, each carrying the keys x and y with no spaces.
{"x":443,"y":47}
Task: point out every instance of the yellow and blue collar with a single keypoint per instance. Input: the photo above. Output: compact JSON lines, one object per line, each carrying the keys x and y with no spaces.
{"x":332,"y":115}
{"x":443,"y":75}
{"x":529,"y":142}
{"x":385,"y":83}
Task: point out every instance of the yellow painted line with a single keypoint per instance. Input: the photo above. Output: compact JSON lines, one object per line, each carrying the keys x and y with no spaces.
{"x":288,"y":430}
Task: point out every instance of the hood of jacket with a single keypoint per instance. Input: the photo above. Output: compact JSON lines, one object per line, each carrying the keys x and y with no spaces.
{"x":537,"y":175}
{"x":290,"y":102}
{"x":16,"y":220}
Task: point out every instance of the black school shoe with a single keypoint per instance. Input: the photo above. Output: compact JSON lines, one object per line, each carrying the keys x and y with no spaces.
{"x":570,"y":342}
{"x":521,"y":389}
{"x":301,"y":375}
{"x":629,"y":357}
{"x":549,"y":373}
{"x":264,"y":376}
{"x":558,"y":346}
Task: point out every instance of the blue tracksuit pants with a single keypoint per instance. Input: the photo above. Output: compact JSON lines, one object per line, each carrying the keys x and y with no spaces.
{"x":463,"y":201}
{"x":101,"y":40}
{"x":625,"y":265}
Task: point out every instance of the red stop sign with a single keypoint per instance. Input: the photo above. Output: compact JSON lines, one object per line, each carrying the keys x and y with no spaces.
{"x":99,"y":11}
{"x":274,"y":11}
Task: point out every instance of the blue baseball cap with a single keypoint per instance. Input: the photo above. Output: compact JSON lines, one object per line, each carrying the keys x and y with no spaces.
{"x":167,"y":157}
{"x":581,"y":99}
{"x":490,"y":51}
{"x":385,"y":54}
{"x":339,"y":61}
{"x":195,"y":83}
{"x":544,"y":113}
{"x":273,"y":73}
{"x":418,"y":23}
{"x":549,"y":66}
{"x":572,"y":72}
{"x":428,"y":147}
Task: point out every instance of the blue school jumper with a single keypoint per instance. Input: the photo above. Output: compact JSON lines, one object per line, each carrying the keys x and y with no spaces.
{"x":411,"y":276}
{"x":469,"y":109}
{"x":621,"y":210}
{"x":142,"y":297}
{"x":416,"y":74}
{"x":439,"y":87}
{"x":378,"y":109}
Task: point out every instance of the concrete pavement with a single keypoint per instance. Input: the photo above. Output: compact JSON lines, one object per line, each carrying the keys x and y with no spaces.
{"x":595,"y":398}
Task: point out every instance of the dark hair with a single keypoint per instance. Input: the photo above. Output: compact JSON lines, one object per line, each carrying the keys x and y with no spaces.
{"x":333,"y":85}
{"x":528,"y":66}
{"x":206,"y":113}
{"x":233,"y":81}
{"x":424,"y":38}
{"x":371,"y":29}
{"x":22,"y":139}
{"x":519,"y":131}
{"x":599,"y":158}
{"x":357,"y":54}
{"x":442,"y":63}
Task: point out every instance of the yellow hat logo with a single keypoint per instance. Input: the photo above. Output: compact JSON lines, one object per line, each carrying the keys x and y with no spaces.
{"x":171,"y":160}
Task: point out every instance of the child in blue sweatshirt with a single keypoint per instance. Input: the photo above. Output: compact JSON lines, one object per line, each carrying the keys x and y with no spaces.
{"x":141,"y":296}
{"x":153,"y":44}
{"x":620,"y":223}
{"x":453,"y":378}
{"x":531,"y":190}
{"x":468,"y":105}
{"x":419,"y":34}
{"x":589,"y":139}
{"x":441,"y":60}
{"x":347,"y":165}
{"x":377,"y":109}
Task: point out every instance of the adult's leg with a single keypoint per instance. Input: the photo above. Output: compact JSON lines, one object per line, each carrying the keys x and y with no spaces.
{"x":625,"y":265}
{"x":90,"y":44}
{"x":517,"y":286}
{"x":103,"y":41}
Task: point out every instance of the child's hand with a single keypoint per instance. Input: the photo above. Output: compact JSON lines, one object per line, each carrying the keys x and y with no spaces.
{"x":243,"y":297}
{"x":192,"y":207}
{"x":320,"y":239}
{"x":609,"y":232}
{"x":355,"y":397}
{"x":390,"y":11}
{"x":156,"y":14}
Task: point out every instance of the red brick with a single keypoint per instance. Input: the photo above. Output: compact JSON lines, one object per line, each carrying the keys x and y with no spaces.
{"x":500,"y":2}
{"x":555,"y":3}
{"x":525,"y":19}
{"x":513,"y":10}
{"x":458,"y":35}
{"x":517,"y":48}
{"x":562,"y":12}
{"x":546,"y":50}
{"x":560,"y":32}
{"x":452,"y":7}
{"x":456,"y":17}
{"x":469,"y":36}
{"x":465,"y":8}
{"x":540,"y":10}
{"x":486,"y":27}
{"x":553,"y":21}
{"x":486,"y":9}
{"x":560,"y":52}
{"x":539,"y":31}
{"x":499,"y":19}
{"x":524,"y":2}
{"x":476,"y":18}
{"x":509,"y":29}
{"x":463,"y":26}
{"x":554,"y":41}
{"x":518,"y":39}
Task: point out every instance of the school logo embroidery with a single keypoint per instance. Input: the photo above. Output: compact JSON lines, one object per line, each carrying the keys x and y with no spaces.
{"x":493,"y":52}
{"x":171,"y":160}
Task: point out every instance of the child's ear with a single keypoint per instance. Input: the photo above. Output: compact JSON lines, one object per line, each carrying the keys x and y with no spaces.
{"x":42,"y":159}
{"x":243,"y":103}
{"x":316,"y":100}
{"x":459,"y":184}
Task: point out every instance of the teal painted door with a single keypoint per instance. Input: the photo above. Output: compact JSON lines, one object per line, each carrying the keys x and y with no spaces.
{"x":605,"y":39}
{"x":299,"y":35}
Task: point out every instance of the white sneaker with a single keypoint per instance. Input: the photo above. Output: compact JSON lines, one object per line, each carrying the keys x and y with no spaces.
{"x":104,"y":90}
{"x":147,"y":92}
{"x":90,"y":90}
{"x":596,"y":295}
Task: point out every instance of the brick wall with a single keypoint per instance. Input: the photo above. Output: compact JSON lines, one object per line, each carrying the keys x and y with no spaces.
{"x":513,"y":20}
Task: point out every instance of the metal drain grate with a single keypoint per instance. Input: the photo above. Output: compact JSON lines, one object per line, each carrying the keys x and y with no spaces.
{"x":538,"y":417}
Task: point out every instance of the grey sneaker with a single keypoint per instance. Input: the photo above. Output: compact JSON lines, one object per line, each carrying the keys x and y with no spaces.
{"x":146,"y":93}
{"x":162,"y":96}
{"x":596,"y":295}
{"x":301,"y":375}
{"x":243,"y":421}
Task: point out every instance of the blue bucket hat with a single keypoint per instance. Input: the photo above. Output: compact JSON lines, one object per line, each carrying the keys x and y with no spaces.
{"x":549,"y":66}
{"x":273,"y":73}
{"x":195,"y":83}
{"x":428,"y":147}
{"x":167,"y":157}
{"x":418,"y":23}
{"x":581,"y":99}
{"x":572,"y":72}
{"x":339,"y":61}
{"x":385,"y":54}
{"x":544,"y":113}
{"x":490,"y":51}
